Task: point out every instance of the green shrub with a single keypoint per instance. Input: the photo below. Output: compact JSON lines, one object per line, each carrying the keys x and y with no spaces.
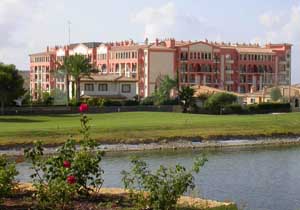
{"x":100,"y":103}
{"x":217,"y":102}
{"x":170,"y":102}
{"x":148,"y":101}
{"x":7,"y":177}
{"x":74,"y":170}
{"x":74,"y":103}
{"x":268,"y":108}
{"x":233,"y":109}
{"x":55,"y":195}
{"x":162,"y":189}
{"x":90,"y":102}
{"x":130,"y":103}
{"x":109,"y":102}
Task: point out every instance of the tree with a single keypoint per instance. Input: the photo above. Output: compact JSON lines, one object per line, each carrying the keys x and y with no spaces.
{"x":11,"y":85}
{"x":186,"y":95}
{"x":275,"y":94}
{"x":76,"y":66}
{"x":166,"y":84}
{"x":216,"y":102}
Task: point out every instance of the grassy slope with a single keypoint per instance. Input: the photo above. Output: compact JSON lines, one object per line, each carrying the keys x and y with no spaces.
{"x":143,"y":126}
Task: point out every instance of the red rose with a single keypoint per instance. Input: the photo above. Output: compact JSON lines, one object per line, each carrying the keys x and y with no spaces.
{"x":71,"y":179}
{"x":83,"y":108}
{"x":67,"y":164}
{"x":114,"y":206}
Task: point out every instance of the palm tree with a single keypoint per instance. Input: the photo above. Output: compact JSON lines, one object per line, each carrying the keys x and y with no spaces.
{"x":76,"y":66}
{"x":186,"y":95}
{"x":166,"y":85}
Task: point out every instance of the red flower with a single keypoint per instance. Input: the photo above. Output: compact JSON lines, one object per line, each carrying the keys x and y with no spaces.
{"x":83,"y":108}
{"x":67,"y":164}
{"x":71,"y":179}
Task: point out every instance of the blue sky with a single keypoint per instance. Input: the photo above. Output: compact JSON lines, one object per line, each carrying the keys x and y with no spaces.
{"x":28,"y":26}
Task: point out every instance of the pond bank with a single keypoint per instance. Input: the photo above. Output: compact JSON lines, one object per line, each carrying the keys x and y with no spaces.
{"x":16,"y":150}
{"x":183,"y":202}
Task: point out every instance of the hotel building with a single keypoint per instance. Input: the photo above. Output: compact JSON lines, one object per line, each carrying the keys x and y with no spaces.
{"x":126,"y":69}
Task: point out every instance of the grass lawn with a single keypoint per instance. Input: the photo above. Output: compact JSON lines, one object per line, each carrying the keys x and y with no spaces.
{"x":143,"y":126}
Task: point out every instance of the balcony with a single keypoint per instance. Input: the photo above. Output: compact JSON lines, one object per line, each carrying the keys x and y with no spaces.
{"x":216,"y":60}
{"x":229,"y":82}
{"x":229,"y":71}
{"x":229,"y":61}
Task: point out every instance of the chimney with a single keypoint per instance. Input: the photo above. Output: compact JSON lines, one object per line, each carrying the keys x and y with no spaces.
{"x":146,"y":41}
{"x":156,"y":42}
{"x":170,"y":43}
{"x":47,"y":48}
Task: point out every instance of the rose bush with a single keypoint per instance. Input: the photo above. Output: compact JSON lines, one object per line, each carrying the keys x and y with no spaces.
{"x":76,"y":167}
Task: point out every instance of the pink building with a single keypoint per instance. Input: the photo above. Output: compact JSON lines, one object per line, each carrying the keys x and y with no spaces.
{"x":126,"y":68}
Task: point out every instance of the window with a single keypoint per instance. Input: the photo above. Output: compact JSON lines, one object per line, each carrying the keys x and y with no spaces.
{"x":89,"y":87}
{"x":102,"y":87}
{"x":126,"y":88}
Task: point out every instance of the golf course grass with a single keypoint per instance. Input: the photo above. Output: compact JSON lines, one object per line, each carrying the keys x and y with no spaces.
{"x":133,"y":127}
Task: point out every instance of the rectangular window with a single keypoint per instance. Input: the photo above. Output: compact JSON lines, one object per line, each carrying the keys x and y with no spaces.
{"x":126,"y":88}
{"x":102,"y":87}
{"x":89,"y":87}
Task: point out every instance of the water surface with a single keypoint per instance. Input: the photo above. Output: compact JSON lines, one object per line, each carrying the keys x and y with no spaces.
{"x":256,"y":179}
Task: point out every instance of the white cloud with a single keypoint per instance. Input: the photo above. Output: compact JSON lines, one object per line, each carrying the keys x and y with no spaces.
{"x":166,"y":21}
{"x":284,"y":28}
{"x":23,"y":28}
{"x":270,"y":19}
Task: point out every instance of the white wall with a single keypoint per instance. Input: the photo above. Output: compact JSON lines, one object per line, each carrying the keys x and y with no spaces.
{"x":113,"y":88}
{"x":60,"y":52}
{"x":80,"y":49}
{"x":102,"y":49}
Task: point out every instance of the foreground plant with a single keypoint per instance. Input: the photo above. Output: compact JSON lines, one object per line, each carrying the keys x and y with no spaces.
{"x":162,"y":189}
{"x":74,"y":170}
{"x":7,"y":177}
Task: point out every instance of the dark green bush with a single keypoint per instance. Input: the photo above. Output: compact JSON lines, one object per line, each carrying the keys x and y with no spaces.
{"x":148,"y":101}
{"x":90,"y":102}
{"x":109,"y":102}
{"x":268,"y":108}
{"x":130,"y":103}
{"x":170,"y":102}
{"x":233,"y":109}
{"x":74,"y":103}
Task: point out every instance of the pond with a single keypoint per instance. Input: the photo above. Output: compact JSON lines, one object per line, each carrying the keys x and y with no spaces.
{"x":256,"y":179}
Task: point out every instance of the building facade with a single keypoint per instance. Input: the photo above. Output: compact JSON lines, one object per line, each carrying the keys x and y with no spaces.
{"x":232,"y":67}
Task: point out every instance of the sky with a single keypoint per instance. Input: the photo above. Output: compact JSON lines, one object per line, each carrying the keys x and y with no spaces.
{"x":28,"y":26}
